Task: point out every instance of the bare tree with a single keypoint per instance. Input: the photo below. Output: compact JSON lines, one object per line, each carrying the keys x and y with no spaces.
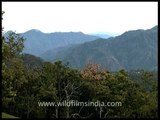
{"x":70,"y":90}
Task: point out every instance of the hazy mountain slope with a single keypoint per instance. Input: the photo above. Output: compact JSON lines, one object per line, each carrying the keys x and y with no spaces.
{"x":38,"y":42}
{"x":131,"y":50}
{"x":50,"y":55}
{"x":138,"y":49}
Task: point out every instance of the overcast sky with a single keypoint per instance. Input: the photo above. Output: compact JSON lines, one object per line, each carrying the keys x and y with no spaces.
{"x":87,"y":17}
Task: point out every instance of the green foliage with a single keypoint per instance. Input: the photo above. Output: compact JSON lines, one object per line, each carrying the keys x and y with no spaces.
{"x":12,"y":46}
{"x":12,"y":67}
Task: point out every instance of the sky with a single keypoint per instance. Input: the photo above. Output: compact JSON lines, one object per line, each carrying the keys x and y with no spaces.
{"x":86,"y":17}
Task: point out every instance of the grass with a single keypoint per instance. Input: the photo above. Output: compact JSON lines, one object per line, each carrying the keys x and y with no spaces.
{"x":5,"y":115}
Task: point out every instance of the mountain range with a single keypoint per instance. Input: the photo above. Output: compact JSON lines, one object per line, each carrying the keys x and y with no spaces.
{"x":37,"y":42}
{"x":132,"y":50}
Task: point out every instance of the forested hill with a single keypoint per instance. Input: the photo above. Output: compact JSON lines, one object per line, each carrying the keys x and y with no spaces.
{"x":37,"y":42}
{"x":135,"y":49}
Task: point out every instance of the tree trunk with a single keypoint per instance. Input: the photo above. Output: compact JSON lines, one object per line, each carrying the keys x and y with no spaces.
{"x":56,"y":112}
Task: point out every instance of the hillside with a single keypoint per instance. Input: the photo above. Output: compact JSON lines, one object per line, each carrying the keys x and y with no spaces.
{"x":135,"y":49}
{"x":38,"y":42}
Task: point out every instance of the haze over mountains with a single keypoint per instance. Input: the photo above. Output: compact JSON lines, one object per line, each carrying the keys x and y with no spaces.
{"x":104,"y":35}
{"x":136,"y":49}
{"x":132,"y":50}
{"x":38,"y":42}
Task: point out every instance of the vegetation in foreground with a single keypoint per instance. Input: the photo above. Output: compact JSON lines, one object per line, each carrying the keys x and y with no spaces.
{"x":5,"y":115}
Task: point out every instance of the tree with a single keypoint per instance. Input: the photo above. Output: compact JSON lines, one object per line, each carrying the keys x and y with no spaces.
{"x":12,"y":66}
